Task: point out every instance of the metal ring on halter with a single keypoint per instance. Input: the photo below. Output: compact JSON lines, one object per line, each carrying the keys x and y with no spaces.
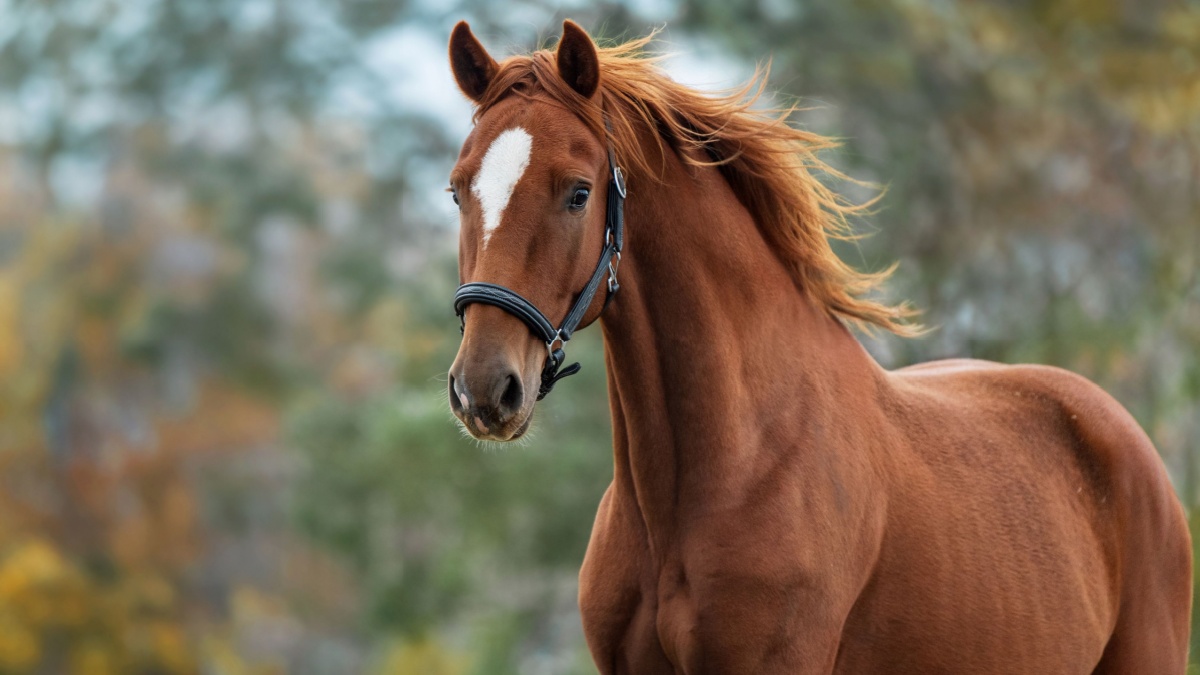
{"x":619,"y":180}
{"x":550,"y":343}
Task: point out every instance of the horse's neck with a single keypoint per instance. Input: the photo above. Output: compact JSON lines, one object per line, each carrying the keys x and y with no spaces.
{"x":717,"y":363}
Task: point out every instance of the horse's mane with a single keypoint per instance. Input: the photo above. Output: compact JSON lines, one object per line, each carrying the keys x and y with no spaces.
{"x":771,"y":166}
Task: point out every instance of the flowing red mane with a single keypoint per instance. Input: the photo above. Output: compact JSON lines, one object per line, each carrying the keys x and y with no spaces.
{"x":772,"y":166}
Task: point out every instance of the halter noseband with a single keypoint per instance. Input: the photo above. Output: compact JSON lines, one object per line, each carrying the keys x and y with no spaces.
{"x":513,"y":303}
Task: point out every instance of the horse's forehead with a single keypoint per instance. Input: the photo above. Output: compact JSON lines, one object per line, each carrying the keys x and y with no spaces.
{"x":554,"y":132}
{"x":506,"y":159}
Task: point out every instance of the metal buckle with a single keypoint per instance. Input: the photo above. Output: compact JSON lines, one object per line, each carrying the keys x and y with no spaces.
{"x":619,"y":180}
{"x":550,"y":345}
{"x":612,"y":273}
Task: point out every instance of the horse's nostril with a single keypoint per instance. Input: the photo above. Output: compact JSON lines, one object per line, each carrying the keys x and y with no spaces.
{"x":457,"y":402}
{"x":513,"y":396}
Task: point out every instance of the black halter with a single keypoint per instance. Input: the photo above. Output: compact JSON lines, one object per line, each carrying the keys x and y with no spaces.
{"x":513,"y":303}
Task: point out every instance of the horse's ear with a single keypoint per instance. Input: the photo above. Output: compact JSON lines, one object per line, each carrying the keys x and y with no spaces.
{"x":473,"y":67}
{"x":578,"y":61}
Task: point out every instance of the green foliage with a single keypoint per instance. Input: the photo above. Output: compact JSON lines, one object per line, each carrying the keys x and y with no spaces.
{"x":427,"y":518}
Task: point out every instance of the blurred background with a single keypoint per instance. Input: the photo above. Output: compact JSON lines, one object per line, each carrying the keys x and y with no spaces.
{"x":227,"y":263}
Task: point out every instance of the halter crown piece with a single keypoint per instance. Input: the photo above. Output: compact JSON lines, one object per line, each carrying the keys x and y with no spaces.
{"x":513,"y":303}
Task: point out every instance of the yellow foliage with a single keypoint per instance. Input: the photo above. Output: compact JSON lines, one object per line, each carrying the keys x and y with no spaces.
{"x":20,"y":649}
{"x":423,"y":657}
{"x":111,"y":628}
{"x":32,"y":580}
{"x":250,"y":605}
{"x":1165,"y":110}
{"x":1182,"y":25}
{"x":10,"y":334}
{"x":221,"y":656}
{"x":151,"y":592}
{"x":171,"y":648}
{"x":93,"y":657}
{"x":159,"y":646}
{"x":993,"y":28}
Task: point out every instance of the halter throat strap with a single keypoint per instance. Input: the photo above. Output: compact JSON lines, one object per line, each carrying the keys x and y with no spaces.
{"x":516,"y":304}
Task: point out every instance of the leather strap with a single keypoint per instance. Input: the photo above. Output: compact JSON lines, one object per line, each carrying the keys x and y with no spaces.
{"x":491,"y":294}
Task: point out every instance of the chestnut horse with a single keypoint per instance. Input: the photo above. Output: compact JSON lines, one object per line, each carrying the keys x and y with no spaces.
{"x":780,"y":503}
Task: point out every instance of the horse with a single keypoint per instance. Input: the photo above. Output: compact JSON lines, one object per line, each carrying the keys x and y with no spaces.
{"x":781,"y":503}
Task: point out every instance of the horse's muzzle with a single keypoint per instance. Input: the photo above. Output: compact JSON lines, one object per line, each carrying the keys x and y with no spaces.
{"x":489,"y":399}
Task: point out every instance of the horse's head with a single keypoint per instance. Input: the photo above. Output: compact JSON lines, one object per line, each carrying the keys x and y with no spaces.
{"x":531,"y":184}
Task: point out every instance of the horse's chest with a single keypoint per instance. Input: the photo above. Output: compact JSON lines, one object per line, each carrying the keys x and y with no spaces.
{"x":660,"y":621}
{"x":635,"y":623}
{"x":649,"y":614}
{"x":618,"y":595}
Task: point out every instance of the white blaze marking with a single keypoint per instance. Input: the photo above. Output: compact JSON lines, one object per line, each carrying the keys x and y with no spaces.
{"x":502,"y":167}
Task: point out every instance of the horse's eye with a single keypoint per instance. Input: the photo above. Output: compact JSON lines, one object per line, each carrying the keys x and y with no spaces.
{"x":579,"y":199}
{"x":454,"y":196}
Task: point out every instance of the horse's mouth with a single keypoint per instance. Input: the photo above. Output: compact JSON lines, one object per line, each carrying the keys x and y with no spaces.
{"x":502,"y":433}
{"x":524,"y":426}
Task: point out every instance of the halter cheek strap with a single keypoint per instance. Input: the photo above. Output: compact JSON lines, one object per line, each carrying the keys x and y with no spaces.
{"x":515,"y":304}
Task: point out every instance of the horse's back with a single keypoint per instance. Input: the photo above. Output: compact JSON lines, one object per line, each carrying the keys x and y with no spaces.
{"x":1083,"y":532}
